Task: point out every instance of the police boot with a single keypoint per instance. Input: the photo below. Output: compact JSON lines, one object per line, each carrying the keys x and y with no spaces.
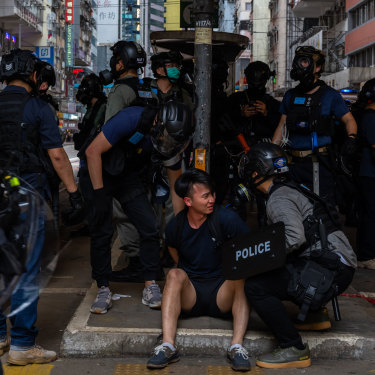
{"x":132,"y":273}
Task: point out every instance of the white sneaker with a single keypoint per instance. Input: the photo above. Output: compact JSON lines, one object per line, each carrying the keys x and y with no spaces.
{"x":34,"y":355}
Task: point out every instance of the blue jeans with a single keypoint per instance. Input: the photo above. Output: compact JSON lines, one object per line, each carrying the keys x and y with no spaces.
{"x":23,"y":331}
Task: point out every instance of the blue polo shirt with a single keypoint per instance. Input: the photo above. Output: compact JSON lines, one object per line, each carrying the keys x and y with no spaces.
{"x":332,"y":104}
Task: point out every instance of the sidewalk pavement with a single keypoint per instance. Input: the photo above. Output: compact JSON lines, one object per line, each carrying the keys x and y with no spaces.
{"x":129,"y":327}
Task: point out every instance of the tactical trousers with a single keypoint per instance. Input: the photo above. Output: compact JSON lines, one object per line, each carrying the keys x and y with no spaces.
{"x":129,"y":191}
{"x":365,"y":235}
{"x":266,"y":293}
{"x":301,"y":171}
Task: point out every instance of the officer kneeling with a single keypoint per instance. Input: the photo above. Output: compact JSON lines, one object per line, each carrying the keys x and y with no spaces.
{"x":320,"y":263}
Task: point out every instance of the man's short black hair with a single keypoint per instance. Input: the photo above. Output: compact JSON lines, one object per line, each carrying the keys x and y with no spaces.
{"x":184,"y":184}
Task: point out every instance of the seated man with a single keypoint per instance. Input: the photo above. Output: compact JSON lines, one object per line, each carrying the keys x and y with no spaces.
{"x":197,"y":287}
{"x":311,"y":250}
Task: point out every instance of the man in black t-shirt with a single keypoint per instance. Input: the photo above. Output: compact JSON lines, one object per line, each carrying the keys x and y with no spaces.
{"x":197,"y":287}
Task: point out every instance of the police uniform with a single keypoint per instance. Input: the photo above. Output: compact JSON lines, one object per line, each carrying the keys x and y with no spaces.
{"x":124,"y":184}
{"x":310,"y":123}
{"x":267,"y":291}
{"x":38,"y":133}
{"x":365,"y":235}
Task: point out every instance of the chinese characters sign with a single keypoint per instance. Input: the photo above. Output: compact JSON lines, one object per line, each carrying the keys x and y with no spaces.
{"x":69,"y":12}
{"x":69,"y":45}
{"x":108,"y":21}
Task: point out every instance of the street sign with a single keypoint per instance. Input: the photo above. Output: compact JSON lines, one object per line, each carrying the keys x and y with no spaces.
{"x":187,"y":16}
{"x":45,"y":54}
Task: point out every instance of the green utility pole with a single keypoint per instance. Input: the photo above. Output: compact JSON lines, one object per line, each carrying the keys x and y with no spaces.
{"x":203,"y":11}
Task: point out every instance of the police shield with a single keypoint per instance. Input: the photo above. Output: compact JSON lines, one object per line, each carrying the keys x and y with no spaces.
{"x":254,"y":253}
{"x":29,"y":243}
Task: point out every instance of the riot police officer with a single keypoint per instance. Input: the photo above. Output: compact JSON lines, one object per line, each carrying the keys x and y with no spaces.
{"x":365,"y":239}
{"x":28,"y":128}
{"x":90,"y":93}
{"x":308,"y":114}
{"x":127,"y":58}
{"x":320,"y":263}
{"x":114,"y":159}
{"x":254,"y":112}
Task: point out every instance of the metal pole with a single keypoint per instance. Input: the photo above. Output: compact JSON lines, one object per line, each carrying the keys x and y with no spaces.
{"x":19,"y":35}
{"x":203,"y":11}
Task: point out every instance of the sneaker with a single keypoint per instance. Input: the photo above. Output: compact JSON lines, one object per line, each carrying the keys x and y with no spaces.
{"x":315,"y":321}
{"x":4,"y":346}
{"x":369,"y":264}
{"x":152,"y":296}
{"x":103,"y":301}
{"x":239,"y":358}
{"x":34,"y":355}
{"x":162,"y":356}
{"x":285,"y":358}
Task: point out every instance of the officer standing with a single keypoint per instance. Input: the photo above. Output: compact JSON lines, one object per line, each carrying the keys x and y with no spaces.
{"x":90,"y":93}
{"x":365,"y":234}
{"x":28,"y":128}
{"x":320,"y":262}
{"x":114,"y":159}
{"x":308,"y":113}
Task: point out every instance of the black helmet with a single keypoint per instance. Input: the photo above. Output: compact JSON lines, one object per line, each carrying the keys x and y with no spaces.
{"x":90,"y":87}
{"x":45,"y":73}
{"x":367,"y":94}
{"x":18,"y":64}
{"x":257,"y":74}
{"x":131,"y":53}
{"x":267,"y":159}
{"x":306,"y":59}
{"x":160,"y":59}
{"x":219,"y":72}
{"x":173,"y":129}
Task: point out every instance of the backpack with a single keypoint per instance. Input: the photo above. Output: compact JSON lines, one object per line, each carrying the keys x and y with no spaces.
{"x":214,"y":228}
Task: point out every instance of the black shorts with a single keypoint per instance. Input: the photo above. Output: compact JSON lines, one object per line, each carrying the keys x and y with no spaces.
{"x":206,"y":290}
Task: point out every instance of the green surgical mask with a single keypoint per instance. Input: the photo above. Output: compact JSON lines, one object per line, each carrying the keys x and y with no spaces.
{"x":173,"y":74}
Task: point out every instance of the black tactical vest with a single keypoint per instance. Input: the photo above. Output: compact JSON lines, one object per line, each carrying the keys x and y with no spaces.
{"x":20,"y":147}
{"x":304,"y":116}
{"x":142,"y":91}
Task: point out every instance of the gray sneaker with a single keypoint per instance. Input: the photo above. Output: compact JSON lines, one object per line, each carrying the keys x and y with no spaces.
{"x":286,"y":358}
{"x":152,"y":296}
{"x":103,"y":301}
{"x":34,"y":355}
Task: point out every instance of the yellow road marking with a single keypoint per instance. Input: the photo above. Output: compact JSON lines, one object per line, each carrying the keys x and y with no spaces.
{"x":137,"y":369}
{"x":28,"y":370}
{"x":226,"y":370}
{"x":372,"y":371}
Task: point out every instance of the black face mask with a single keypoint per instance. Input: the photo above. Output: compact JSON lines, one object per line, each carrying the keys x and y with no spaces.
{"x":303,"y":71}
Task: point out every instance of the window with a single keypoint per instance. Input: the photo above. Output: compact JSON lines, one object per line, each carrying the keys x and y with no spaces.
{"x":249,"y":6}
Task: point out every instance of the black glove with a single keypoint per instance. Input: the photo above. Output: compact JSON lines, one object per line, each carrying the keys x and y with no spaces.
{"x":350,"y":146}
{"x":77,"y":213}
{"x":102,"y":206}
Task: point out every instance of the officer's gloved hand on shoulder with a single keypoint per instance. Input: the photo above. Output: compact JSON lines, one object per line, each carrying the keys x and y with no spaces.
{"x":77,"y":213}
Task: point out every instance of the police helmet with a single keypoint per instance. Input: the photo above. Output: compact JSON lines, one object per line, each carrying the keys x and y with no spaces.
{"x":257,"y":74}
{"x":367,"y":94}
{"x":132,"y":54}
{"x":306,"y":59}
{"x":173,"y":129}
{"x":219,"y":72}
{"x":18,"y":64}
{"x":267,"y":159}
{"x":45,"y":73}
{"x":160,"y":59}
{"x":90,"y":87}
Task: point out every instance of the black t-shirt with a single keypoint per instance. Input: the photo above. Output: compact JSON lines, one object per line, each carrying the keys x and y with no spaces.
{"x":198,"y":256}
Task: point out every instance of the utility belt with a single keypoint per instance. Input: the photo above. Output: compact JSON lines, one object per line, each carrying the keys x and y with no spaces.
{"x":304,"y":153}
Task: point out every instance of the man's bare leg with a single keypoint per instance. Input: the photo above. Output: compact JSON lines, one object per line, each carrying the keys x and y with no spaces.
{"x":231,"y":296}
{"x":178,"y":293}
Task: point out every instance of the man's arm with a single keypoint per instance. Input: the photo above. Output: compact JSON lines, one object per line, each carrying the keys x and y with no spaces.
{"x":94,"y":159}
{"x":350,"y":124}
{"x":63,"y":168}
{"x":278,"y":135}
{"x":173,"y":253}
{"x":177,"y":202}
